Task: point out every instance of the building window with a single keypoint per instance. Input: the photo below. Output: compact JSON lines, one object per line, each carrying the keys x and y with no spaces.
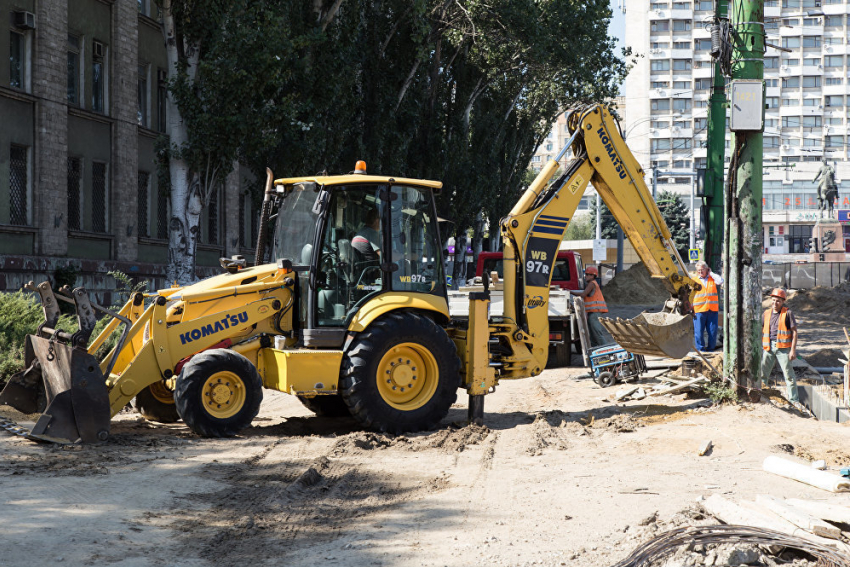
{"x":660,"y":104}
{"x":535,"y":159}
{"x":812,"y":121}
{"x":811,"y":82}
{"x":681,"y":45}
{"x":142,"y":97}
{"x":771,"y":62}
{"x":143,"y":191}
{"x":659,"y":44}
{"x":19,"y":185}
{"x":790,"y":121}
{"x":98,"y":197}
{"x":17,"y":60}
{"x":74,"y":70}
{"x":162,"y":215}
{"x":681,"y":25}
{"x":790,"y":3}
{"x":811,"y":143}
{"x":161,"y":99}
{"x":681,"y":64}
{"x":833,"y":21}
{"x":75,"y":179}
{"x":835,"y":141}
{"x":660,"y":144}
{"x":811,"y":62}
{"x":811,"y":41}
{"x":682,"y":143}
{"x":684,"y":85}
{"x":771,"y":142}
{"x":833,"y":61}
{"x":660,"y":84}
{"x":681,"y":104}
{"x":771,"y":82}
{"x":660,"y":65}
{"x":659,"y":25}
{"x":811,"y":102}
{"x":791,"y":82}
{"x":98,"y":69}
{"x":833,"y":100}
{"x":702,"y":44}
{"x":705,"y":5}
{"x":790,"y":42}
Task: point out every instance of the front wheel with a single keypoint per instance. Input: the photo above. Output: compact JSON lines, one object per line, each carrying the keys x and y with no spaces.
{"x":218,"y":393}
{"x":401,"y":374}
{"x":156,"y":403}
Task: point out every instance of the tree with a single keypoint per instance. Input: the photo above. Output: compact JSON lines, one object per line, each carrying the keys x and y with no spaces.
{"x":581,"y":227}
{"x":678,"y":219}
{"x":609,"y":225}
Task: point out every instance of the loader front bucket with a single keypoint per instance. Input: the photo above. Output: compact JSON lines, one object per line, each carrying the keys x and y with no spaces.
{"x":656,"y":334}
{"x":66,"y":387}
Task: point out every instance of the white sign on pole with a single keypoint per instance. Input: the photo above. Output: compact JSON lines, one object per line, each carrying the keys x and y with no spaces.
{"x":600,"y":250}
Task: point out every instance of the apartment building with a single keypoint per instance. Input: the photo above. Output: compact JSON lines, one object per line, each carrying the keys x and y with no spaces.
{"x":808,"y":98}
{"x":82,"y":103}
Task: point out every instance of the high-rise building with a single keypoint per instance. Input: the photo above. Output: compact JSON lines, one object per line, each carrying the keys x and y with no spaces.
{"x":807,"y":103}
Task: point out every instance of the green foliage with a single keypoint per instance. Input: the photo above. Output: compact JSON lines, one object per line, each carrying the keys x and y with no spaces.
{"x":678,"y":219}
{"x":609,"y":225}
{"x":462,"y":92}
{"x":720,"y":392}
{"x":580,"y":228}
{"x":125,"y":289}
{"x":20,"y":315}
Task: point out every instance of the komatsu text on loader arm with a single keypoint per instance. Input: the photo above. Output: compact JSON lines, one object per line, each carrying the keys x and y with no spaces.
{"x":352,"y":316}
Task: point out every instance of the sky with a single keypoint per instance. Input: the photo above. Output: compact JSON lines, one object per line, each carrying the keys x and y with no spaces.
{"x":617,"y":29}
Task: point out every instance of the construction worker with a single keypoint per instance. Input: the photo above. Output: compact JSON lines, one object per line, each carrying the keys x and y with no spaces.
{"x":706,"y":306}
{"x":779,"y":340}
{"x":594,"y":304}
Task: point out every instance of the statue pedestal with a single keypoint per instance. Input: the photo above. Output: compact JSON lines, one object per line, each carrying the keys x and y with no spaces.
{"x":828,"y":231}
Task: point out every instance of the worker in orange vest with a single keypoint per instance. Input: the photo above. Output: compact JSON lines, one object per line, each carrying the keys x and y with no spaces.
{"x":779,"y":340}
{"x":594,"y":305}
{"x":706,"y":306}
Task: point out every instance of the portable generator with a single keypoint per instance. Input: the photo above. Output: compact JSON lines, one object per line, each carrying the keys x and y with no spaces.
{"x":612,"y":363}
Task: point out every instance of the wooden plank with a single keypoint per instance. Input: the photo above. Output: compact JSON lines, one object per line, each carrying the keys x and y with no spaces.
{"x":822,"y":510}
{"x":678,"y":387}
{"x":798,"y":517}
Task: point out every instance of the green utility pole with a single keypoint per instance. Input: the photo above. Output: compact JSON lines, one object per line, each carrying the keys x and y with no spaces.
{"x":713,"y":184}
{"x":743,"y":247}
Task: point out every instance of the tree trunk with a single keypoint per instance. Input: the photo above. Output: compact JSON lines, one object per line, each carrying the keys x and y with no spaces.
{"x":186,"y":196}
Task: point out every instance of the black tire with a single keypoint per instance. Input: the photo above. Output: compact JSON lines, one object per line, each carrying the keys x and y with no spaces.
{"x":156,"y":403}
{"x":373,"y":381}
{"x":606,"y":379}
{"x":209,"y":384}
{"x":560,"y":355}
{"x":326,"y":406}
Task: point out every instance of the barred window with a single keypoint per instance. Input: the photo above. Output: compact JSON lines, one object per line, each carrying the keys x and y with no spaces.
{"x":143,"y":184}
{"x":18,"y":185}
{"x":75,"y":178}
{"x":162,"y":215}
{"x":98,"y":197}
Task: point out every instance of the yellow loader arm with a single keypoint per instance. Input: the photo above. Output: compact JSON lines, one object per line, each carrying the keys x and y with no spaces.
{"x":533,"y":230}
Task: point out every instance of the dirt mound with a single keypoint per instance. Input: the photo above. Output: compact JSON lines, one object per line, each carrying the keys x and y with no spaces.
{"x":832,"y":300}
{"x":635,"y":287}
{"x":827,"y":357}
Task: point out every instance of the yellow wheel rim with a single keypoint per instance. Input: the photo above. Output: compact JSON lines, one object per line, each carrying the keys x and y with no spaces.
{"x":161,"y":393}
{"x":223,"y":394}
{"x":408,"y":376}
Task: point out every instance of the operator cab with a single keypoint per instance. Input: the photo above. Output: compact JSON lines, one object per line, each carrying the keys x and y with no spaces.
{"x":354,"y":237}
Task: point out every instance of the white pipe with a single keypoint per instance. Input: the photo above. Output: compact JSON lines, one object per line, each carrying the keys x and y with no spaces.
{"x":806,"y":474}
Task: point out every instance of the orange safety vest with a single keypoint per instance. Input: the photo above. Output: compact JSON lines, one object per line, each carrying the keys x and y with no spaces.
{"x":706,"y":298}
{"x":595,"y":303}
{"x":783,"y":334}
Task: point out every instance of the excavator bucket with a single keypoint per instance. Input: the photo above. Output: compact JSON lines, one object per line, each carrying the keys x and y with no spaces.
{"x":62,"y":389}
{"x":656,"y":334}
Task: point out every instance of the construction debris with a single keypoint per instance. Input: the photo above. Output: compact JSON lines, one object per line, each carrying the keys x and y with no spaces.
{"x":807,"y":475}
{"x":705,"y":447}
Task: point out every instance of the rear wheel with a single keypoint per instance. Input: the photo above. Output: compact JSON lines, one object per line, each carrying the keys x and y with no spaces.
{"x":401,"y":374}
{"x":218,"y":393}
{"x":156,"y":403}
{"x":326,"y":406}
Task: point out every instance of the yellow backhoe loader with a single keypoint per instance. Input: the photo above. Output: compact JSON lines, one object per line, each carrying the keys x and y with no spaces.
{"x":352,"y":315}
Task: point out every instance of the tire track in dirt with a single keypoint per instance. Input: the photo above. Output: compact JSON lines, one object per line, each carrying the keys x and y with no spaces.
{"x":281,"y":500}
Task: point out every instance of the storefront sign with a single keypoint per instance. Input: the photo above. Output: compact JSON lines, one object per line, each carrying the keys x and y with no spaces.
{"x":806,"y":216}
{"x":844,"y":215}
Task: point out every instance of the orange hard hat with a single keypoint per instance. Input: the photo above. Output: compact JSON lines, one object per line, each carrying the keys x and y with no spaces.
{"x":780,"y":293}
{"x":592,"y":270}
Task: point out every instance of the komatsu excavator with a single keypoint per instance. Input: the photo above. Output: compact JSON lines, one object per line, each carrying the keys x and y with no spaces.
{"x":352,"y":315}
